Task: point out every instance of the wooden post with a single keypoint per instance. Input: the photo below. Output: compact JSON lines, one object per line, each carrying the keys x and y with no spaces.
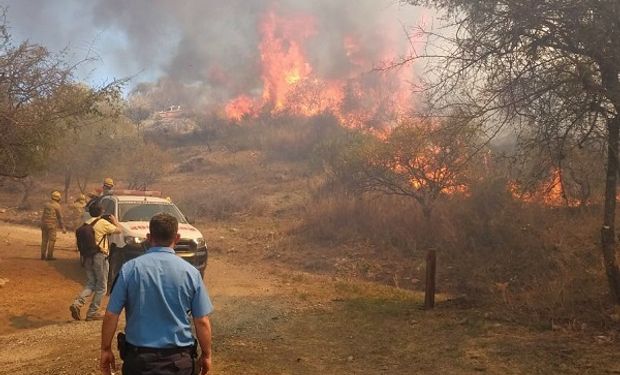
{"x":431,"y":269}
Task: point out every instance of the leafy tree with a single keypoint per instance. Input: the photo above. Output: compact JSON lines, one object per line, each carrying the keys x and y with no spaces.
{"x":89,"y":146}
{"x":144,"y":163}
{"x":37,"y":92}
{"x":548,"y":68}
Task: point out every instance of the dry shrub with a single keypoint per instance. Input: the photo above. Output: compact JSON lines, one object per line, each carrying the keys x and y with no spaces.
{"x":219,"y":203}
{"x":9,"y":185}
{"x":284,"y":137}
{"x":546,"y":258}
{"x":297,"y":139}
{"x":191,"y":164}
{"x":194,"y":130}
{"x":392,"y":222}
{"x":238,"y":138}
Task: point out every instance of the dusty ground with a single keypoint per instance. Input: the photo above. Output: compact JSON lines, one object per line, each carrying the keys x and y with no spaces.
{"x":270,"y":320}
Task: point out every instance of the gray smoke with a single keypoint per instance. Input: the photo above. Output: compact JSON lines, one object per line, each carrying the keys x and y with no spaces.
{"x":208,"y":47}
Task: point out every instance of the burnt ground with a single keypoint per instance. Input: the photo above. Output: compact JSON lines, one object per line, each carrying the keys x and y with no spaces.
{"x":270,"y":319}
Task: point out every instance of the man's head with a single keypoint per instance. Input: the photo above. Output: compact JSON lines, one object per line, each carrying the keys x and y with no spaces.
{"x":56,"y":196}
{"x":95,"y":210}
{"x":163,"y":230}
{"x":108,"y":183}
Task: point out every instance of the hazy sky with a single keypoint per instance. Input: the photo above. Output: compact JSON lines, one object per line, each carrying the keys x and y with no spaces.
{"x":187,"y":40}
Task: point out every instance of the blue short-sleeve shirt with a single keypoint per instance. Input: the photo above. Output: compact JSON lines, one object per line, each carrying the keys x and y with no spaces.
{"x":158,"y":290}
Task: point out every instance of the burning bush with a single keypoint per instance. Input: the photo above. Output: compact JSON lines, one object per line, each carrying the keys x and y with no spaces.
{"x":419,"y":160}
{"x":492,"y":244}
{"x":486,"y":241}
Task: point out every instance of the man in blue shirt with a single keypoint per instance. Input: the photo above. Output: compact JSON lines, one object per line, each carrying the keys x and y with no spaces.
{"x":158,"y":290}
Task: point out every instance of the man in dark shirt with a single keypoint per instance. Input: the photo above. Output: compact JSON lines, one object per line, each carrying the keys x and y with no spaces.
{"x":157,"y":291}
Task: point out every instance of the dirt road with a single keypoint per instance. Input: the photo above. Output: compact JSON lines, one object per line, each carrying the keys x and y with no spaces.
{"x":269,"y":320}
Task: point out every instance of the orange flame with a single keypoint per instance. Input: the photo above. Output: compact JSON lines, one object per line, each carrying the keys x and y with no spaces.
{"x":550,"y":194}
{"x":239,"y":108}
{"x":291,"y":84}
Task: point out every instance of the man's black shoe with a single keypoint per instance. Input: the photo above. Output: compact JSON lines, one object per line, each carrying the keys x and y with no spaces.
{"x":75,"y":312}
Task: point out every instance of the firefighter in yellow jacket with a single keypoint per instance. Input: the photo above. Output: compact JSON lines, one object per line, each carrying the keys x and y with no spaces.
{"x":77,"y":211}
{"x":50,"y":221}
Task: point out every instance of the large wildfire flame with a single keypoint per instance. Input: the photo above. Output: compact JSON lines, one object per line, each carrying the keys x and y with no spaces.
{"x":360,"y":98}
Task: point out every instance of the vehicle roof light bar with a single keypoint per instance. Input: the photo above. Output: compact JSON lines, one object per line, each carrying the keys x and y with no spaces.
{"x":141,"y":193}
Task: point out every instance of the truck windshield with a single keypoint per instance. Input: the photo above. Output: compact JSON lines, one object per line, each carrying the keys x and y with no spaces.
{"x":142,"y":211}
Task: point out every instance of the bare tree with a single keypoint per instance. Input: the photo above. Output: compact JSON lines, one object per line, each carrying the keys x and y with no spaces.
{"x":503,"y":61}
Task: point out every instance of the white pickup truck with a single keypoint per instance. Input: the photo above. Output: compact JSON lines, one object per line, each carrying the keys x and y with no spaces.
{"x":134,"y":210}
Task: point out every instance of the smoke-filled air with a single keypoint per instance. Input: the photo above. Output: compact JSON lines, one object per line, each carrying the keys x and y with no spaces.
{"x":244,"y":58}
{"x":309,"y":187}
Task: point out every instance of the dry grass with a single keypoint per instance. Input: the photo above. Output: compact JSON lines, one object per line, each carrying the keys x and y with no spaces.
{"x":282,"y":139}
{"x":217,"y":203}
{"x":534,"y":261}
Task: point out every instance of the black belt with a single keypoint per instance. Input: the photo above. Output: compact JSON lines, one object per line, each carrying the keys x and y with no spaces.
{"x":162,"y":351}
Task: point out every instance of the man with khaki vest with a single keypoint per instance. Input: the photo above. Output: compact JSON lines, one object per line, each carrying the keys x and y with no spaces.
{"x":77,"y":211}
{"x":50,"y":221}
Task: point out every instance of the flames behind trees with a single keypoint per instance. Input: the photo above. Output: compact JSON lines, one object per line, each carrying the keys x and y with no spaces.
{"x":359,"y":98}
{"x":422,"y":160}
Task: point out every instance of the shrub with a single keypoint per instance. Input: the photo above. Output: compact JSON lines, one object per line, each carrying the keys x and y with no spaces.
{"x":218,"y":203}
{"x":544,"y":257}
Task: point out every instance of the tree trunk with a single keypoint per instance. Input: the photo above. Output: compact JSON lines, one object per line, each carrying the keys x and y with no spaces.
{"x":28,"y":185}
{"x":431,"y":278}
{"x":82,"y":184}
{"x":608,"y":232}
{"x":67,"y":185}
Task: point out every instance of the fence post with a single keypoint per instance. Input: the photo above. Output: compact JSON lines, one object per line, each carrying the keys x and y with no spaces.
{"x":431,"y":270}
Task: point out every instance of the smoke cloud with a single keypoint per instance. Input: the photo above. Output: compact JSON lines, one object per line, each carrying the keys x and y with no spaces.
{"x":208,"y":49}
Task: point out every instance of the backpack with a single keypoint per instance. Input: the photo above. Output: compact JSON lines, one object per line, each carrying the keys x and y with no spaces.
{"x":85,"y":237}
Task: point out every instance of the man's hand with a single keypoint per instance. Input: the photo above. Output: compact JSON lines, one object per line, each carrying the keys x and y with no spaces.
{"x":205,"y":363}
{"x":203,"y":333}
{"x":108,"y":363}
{"x":110,"y":321}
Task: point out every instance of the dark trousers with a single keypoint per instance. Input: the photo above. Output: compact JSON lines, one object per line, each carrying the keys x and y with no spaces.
{"x":136,"y":363}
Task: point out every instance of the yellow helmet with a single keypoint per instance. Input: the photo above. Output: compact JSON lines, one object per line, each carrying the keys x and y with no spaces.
{"x":108,"y":182}
{"x":56,"y":195}
{"x":82,"y":197}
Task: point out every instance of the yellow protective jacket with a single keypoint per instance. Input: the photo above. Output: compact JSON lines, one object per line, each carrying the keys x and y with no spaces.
{"x":52,"y":215}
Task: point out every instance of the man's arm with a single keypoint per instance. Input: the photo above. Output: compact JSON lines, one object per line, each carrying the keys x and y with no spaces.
{"x":203,"y":332}
{"x":116,"y":224}
{"x":59,"y":218}
{"x":110,"y":322}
